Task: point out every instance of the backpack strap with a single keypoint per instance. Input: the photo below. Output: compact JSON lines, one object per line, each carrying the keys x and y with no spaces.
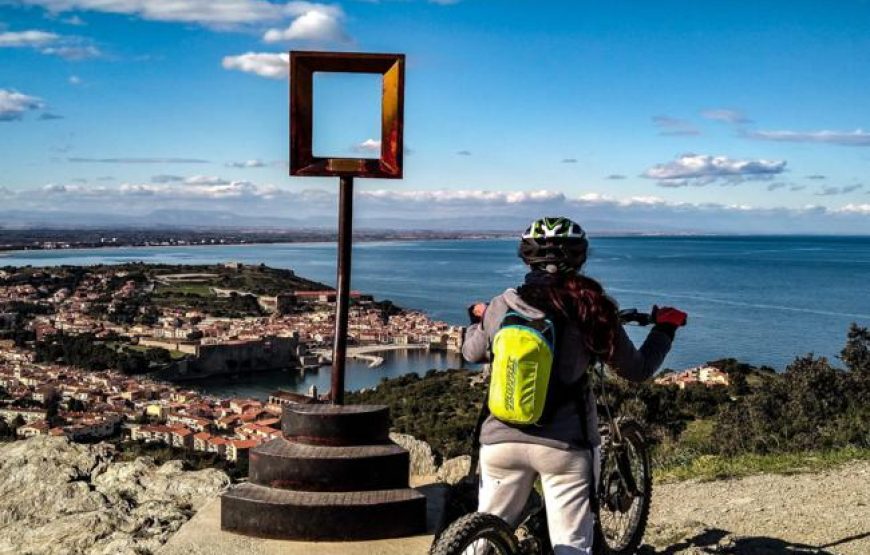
{"x":475,"y":437}
{"x":544,"y":326}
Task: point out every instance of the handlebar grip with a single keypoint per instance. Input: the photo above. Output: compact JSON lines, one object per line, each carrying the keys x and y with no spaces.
{"x":633,"y":316}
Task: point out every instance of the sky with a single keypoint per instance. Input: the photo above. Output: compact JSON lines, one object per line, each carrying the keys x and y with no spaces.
{"x":643,"y":116}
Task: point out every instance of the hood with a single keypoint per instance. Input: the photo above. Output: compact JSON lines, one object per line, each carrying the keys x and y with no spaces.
{"x":514,"y":301}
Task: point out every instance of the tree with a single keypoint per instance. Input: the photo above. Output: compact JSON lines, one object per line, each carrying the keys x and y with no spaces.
{"x":856,"y":353}
{"x":16,"y":423}
{"x":52,"y":416}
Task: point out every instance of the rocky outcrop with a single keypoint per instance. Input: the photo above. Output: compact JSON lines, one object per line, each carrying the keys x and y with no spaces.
{"x":422,"y":458}
{"x":58,"y":497}
{"x":454,"y":470}
{"x":423,"y":461}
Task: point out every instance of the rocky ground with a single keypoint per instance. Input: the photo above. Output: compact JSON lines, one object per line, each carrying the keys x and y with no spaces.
{"x":58,"y":497}
{"x":826,"y":512}
{"x":819,"y":513}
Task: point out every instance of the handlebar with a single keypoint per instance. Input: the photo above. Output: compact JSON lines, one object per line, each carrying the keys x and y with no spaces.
{"x":633,"y":316}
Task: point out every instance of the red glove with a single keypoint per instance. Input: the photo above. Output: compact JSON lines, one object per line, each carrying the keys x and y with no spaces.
{"x":669,"y":315}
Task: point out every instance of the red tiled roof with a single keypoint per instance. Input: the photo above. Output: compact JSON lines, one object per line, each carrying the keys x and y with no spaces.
{"x":244,"y":443}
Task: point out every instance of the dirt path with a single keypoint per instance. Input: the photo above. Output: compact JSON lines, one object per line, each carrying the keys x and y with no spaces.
{"x":826,"y":512}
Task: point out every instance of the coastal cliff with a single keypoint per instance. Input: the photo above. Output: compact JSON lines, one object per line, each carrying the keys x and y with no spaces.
{"x":59,"y":497}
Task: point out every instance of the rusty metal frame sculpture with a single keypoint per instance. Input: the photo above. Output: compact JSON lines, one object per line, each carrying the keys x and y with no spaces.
{"x":303,"y":65}
{"x":303,"y":162}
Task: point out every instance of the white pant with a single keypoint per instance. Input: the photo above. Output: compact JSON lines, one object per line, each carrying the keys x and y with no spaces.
{"x":508,"y":472}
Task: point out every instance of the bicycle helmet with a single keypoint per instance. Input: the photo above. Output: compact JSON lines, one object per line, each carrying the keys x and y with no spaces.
{"x":557,"y":245}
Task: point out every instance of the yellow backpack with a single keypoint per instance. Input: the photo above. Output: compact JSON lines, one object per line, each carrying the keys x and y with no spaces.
{"x":522,"y":361}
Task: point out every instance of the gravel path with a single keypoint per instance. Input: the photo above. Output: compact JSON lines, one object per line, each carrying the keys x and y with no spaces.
{"x":827,"y":512}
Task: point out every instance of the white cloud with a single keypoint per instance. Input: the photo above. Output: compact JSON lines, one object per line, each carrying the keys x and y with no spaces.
{"x":831,"y":191}
{"x":455,"y":196}
{"x":265,"y":64}
{"x":674,"y":126}
{"x":205,"y":189}
{"x":857,"y":137}
{"x":54,"y":188}
{"x":206,"y":12}
{"x":74,"y":80}
{"x":206,"y":180}
{"x":73,"y":52}
{"x":52,"y":44}
{"x":75,"y":20}
{"x":725,"y":115}
{"x":137,"y":160}
{"x":449,"y":209}
{"x":246,"y":164}
{"x":13,"y":104}
{"x":164,"y":178}
{"x":863,"y":209}
{"x":369,"y":145}
{"x":27,"y":39}
{"x":313,"y":22}
{"x":701,"y":169}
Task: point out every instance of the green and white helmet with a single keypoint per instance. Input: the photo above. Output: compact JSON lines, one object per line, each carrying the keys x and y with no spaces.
{"x":557,"y":245}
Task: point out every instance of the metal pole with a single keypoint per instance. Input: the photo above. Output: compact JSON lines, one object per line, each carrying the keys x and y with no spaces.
{"x":345,"y":240}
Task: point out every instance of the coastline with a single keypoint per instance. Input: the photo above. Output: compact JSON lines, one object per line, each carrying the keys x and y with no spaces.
{"x":327,"y":240}
{"x":494,"y":236}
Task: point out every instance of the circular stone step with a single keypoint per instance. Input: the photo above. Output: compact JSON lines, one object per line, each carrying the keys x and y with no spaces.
{"x":336,"y":424}
{"x":289,"y":465}
{"x":256,"y":510}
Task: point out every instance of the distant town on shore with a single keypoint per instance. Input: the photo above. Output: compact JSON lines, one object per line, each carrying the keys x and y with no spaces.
{"x":95,"y":238}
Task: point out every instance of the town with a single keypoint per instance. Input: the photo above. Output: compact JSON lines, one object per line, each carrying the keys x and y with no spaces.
{"x":706,"y":375}
{"x":182,"y":326}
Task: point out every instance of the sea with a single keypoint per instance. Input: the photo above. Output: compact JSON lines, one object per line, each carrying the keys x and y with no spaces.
{"x":763,"y":300}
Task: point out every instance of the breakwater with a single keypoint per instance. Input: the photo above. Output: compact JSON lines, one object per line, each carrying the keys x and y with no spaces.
{"x":369,"y":353}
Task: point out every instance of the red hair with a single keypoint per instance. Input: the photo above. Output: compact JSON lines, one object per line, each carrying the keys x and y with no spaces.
{"x":581,"y":300}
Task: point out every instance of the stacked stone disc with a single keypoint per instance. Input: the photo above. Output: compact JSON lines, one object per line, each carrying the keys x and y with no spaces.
{"x":335,"y":475}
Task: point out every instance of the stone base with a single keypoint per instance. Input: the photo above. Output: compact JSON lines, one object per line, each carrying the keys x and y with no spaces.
{"x":202,"y":535}
{"x":335,"y":475}
{"x":289,"y":465}
{"x":317,"y":515}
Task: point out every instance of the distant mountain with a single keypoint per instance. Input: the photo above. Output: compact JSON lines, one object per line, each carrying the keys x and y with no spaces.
{"x":208,"y":219}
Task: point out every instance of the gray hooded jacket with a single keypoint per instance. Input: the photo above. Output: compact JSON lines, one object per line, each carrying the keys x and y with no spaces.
{"x":564,"y":429}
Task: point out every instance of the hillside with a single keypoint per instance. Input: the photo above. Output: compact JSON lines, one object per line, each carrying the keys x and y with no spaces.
{"x":812,"y":406}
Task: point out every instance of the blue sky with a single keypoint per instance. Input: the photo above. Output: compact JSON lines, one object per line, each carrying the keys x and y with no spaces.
{"x":680,"y":115}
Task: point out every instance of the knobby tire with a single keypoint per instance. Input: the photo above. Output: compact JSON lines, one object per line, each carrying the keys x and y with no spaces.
{"x":632,"y":433}
{"x":462,"y":534}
